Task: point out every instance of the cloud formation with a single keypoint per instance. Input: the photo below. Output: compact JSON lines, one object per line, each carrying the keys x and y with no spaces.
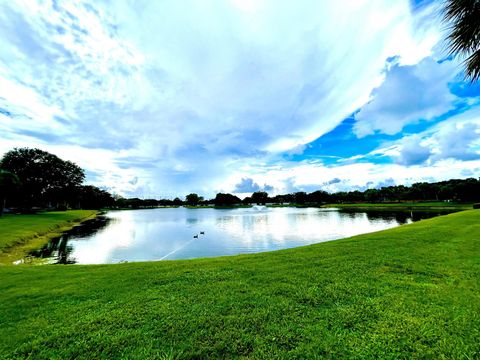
{"x":156,"y":99}
{"x":456,"y":138}
{"x":409,"y":94}
{"x":413,"y":152}
{"x":246,"y":185}
{"x":458,"y":141}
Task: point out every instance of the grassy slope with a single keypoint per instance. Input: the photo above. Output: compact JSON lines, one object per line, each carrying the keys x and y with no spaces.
{"x":412,"y":291}
{"x":19,"y":233}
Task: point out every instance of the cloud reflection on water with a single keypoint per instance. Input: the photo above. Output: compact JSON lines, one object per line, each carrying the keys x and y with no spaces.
{"x":159,"y":234}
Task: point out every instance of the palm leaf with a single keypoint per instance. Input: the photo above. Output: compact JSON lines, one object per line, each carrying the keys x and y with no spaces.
{"x":463,"y":17}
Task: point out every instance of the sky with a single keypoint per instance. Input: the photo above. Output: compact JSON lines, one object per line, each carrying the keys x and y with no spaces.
{"x":158,"y":99}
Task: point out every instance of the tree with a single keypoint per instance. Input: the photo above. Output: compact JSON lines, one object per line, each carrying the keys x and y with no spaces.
{"x":300,"y":197}
{"x":192,"y":199}
{"x":372,"y":195}
{"x":278,"y":199}
{"x":9,"y":182}
{"x":247,"y":201}
{"x":318,"y":197}
{"x":260,"y":197}
{"x":177,"y":202}
{"x":91,"y":197}
{"x":464,"y":19}
{"x":44,"y":177}
{"x":226,"y":200}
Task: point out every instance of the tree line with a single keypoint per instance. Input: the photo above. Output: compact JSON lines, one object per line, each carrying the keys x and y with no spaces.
{"x":33,"y":179}
{"x":455,"y":190}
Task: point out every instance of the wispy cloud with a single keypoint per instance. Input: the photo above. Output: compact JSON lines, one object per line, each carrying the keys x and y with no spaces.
{"x":160,"y":99}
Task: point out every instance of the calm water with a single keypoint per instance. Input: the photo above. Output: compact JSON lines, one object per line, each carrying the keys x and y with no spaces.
{"x":166,"y":234}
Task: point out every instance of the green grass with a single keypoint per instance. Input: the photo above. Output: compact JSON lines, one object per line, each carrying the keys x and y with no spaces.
{"x":408,"y":292}
{"x":404,"y":206}
{"x":19,"y":233}
{"x":282,"y":205}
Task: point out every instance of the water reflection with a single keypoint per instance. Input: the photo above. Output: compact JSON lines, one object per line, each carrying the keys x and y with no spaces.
{"x":182,"y":233}
{"x":56,"y":250}
{"x":191,"y":221}
{"x":59,"y":250}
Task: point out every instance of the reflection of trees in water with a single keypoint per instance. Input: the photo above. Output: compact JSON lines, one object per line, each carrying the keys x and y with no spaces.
{"x":421,"y":215}
{"x":323,"y":214}
{"x":402,"y":217}
{"x":260,"y":219}
{"x":301,"y":217}
{"x":352,"y":214}
{"x":242,"y":224}
{"x":399,"y":217}
{"x":191,"y":221}
{"x":233,"y":224}
{"x":224,"y":220}
{"x":58,"y":248}
{"x":89,"y":227}
{"x":255,"y":223}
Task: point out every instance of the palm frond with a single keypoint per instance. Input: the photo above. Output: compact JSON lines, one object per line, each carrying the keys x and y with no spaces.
{"x":473,"y":66}
{"x":463,"y":17}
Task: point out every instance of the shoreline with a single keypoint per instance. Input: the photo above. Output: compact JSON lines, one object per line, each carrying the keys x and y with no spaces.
{"x":19,"y":250}
{"x":391,"y":292}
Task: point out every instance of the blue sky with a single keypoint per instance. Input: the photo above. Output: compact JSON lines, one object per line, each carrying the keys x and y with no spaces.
{"x":162,"y":98}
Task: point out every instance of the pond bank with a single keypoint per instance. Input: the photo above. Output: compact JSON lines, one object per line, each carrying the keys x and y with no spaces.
{"x":167,"y":234}
{"x":20,"y":234}
{"x":407,"y":292}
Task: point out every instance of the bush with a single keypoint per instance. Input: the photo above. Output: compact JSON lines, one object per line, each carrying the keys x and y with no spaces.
{"x":476,"y":206}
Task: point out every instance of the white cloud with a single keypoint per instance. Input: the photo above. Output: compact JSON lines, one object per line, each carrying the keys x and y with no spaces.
{"x":412,"y":152}
{"x":458,"y":141}
{"x":409,"y":94}
{"x":292,"y":177}
{"x":246,"y":185}
{"x":457,"y":138}
{"x":194,"y":98}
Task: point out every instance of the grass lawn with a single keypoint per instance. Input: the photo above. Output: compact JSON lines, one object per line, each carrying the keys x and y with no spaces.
{"x":19,"y":233}
{"x":408,"y":292}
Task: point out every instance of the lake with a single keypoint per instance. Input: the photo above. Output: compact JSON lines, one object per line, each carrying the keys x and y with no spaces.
{"x":181,"y":233}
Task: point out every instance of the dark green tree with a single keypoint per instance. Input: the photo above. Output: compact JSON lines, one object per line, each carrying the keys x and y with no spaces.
{"x":463,"y":18}
{"x":260,"y":197}
{"x":92,"y":197}
{"x":248,"y":200}
{"x":192,"y":199}
{"x":318,"y":197}
{"x":9,"y":183}
{"x":300,"y":197}
{"x":45,"y":178}
{"x":177,"y":202}
{"x":278,"y":199}
{"x":372,"y":195}
{"x":226,"y":200}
